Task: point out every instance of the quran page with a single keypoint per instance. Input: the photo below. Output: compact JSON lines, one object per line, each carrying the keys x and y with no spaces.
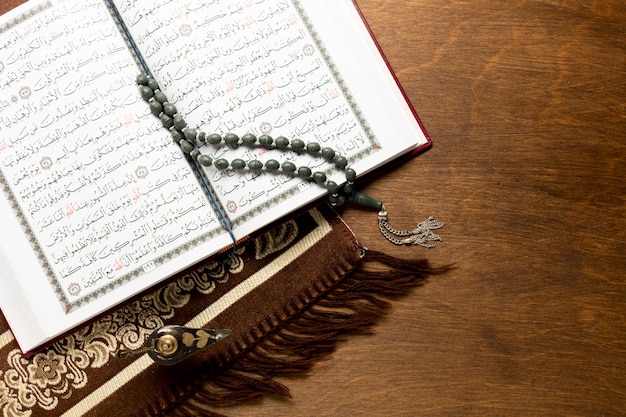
{"x":97,"y":201}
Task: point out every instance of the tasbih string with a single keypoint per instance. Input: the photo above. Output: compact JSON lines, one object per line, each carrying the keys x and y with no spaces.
{"x":189,"y":140}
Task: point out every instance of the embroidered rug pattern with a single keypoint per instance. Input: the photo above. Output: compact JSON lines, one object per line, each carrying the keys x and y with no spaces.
{"x":277,"y":297}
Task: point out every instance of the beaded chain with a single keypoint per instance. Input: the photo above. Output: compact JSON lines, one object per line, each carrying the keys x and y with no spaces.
{"x":188,"y":139}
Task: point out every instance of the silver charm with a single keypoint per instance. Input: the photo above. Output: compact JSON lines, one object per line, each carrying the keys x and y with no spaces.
{"x":422,"y":234}
{"x":168,"y":345}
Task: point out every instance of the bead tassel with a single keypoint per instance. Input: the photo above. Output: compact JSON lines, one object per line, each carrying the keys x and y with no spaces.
{"x":188,"y":138}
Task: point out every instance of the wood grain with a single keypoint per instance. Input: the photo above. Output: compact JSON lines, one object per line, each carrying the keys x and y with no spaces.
{"x":525,"y":102}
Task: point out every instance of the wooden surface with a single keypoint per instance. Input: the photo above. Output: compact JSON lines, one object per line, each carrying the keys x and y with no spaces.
{"x":526,"y":105}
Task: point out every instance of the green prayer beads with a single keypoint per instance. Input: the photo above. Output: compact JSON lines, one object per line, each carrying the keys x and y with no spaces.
{"x":186,"y":146}
{"x":205,"y":160}
{"x":155,"y":107}
{"x":297,"y":145}
{"x":231,"y":140}
{"x":166,"y":120}
{"x":169,"y":109}
{"x":304,"y":172}
{"x":214,"y":139}
{"x":328,"y":154}
{"x":160,"y":97}
{"x":190,"y":134}
{"x":319,"y":177}
{"x":189,"y":139}
{"x":266,"y":141}
{"x":146,"y":93}
{"x":282,"y":142}
{"x":248,"y":139}
{"x":313,"y":147}
{"x":332,"y":187}
{"x":179,"y":122}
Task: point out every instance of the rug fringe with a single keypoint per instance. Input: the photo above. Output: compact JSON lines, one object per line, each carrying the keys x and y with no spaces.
{"x":353,"y":305}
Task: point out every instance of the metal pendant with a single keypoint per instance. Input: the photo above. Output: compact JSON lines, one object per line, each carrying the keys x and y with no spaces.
{"x":168,"y":345}
{"x":422,"y":234}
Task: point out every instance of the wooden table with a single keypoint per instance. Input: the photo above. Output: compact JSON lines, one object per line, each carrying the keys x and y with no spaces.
{"x":526,"y":105}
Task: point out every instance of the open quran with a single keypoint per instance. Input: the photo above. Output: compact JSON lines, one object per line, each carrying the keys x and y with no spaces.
{"x":99,"y":204}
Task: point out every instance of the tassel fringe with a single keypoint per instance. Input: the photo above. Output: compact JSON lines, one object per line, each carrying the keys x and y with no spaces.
{"x":354,"y":305}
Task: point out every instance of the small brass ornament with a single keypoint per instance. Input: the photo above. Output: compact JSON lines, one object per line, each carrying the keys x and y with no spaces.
{"x":168,"y":345}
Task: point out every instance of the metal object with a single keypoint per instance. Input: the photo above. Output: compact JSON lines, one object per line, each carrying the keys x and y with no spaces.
{"x":168,"y":345}
{"x":422,"y":234}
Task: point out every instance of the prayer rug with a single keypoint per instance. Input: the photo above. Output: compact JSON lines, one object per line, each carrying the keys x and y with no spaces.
{"x":287,"y":296}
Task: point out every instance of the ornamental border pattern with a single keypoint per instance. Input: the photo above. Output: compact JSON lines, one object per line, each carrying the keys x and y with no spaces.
{"x":25,"y":16}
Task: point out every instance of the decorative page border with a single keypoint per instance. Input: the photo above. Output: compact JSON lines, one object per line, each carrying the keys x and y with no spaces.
{"x":25,"y":16}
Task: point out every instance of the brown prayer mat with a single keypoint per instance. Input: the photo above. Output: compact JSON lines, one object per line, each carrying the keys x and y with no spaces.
{"x":287,"y":297}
